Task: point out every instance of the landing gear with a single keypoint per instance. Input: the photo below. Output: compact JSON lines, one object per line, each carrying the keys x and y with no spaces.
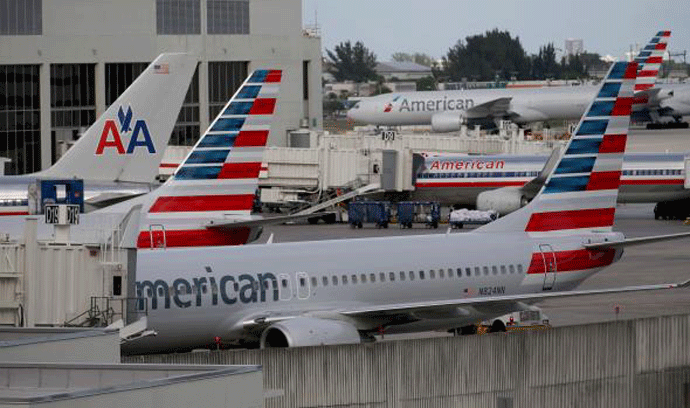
{"x":497,"y":327}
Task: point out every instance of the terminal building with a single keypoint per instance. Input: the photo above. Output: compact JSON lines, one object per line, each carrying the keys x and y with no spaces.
{"x":63,"y":62}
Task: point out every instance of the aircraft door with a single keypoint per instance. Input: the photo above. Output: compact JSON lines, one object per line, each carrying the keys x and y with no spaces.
{"x":550,"y":266}
{"x":285,"y":286}
{"x":302,"y":285}
{"x":157,"y":236}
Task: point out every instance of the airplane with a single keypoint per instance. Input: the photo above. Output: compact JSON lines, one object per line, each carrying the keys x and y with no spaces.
{"x":505,"y":182}
{"x":118,"y":156}
{"x":447,"y":111}
{"x":344,"y":291}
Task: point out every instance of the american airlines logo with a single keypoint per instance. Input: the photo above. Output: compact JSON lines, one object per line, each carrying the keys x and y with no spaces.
{"x":111,"y":137}
{"x":467,"y":164}
{"x":434,"y":105}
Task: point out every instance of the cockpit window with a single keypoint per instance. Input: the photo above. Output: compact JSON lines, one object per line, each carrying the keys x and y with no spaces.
{"x":356,"y":106}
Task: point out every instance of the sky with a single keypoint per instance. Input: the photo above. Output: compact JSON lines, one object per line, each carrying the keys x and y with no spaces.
{"x":608,"y":27}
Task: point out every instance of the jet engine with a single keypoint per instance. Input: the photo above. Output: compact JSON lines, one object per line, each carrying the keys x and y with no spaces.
{"x":309,"y":331}
{"x":447,"y":122}
{"x":503,"y":200}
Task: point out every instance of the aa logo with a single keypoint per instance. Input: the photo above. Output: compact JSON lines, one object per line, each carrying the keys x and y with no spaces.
{"x":112,"y":136}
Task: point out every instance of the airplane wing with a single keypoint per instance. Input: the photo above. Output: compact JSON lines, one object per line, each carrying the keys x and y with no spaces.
{"x":637,"y":241}
{"x":494,"y":303}
{"x":496,"y":107}
{"x":259,"y":222}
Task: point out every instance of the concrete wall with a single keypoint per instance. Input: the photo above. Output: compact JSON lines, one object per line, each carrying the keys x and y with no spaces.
{"x":637,"y":363}
{"x":100,"y":32}
{"x":60,"y":346}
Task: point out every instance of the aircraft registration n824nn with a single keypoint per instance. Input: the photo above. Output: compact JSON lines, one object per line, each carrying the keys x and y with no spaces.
{"x":336,"y":292}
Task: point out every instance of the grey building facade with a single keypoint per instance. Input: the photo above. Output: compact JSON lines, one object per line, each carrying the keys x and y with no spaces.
{"x":62,"y":62}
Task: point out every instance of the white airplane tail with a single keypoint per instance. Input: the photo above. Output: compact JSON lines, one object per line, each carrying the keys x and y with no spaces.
{"x":127,"y":142}
{"x":649,"y":61}
{"x":220,"y":176}
{"x":582,"y":190}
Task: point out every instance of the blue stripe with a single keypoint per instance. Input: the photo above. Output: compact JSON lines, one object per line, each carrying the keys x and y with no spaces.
{"x":660,"y":34}
{"x":238,"y":108}
{"x":198,"y":173}
{"x":644,"y":54}
{"x":249,"y":92}
{"x":655,"y":40}
{"x":650,"y":47}
{"x":224,"y":125}
{"x":583,"y":146}
{"x":609,"y":90}
{"x":227,"y":140}
{"x":575,"y":165}
{"x":566,"y":184}
{"x":259,"y":75}
{"x":601,"y":108}
{"x":207,"y":156}
{"x":592,"y":127}
{"x":618,"y":70}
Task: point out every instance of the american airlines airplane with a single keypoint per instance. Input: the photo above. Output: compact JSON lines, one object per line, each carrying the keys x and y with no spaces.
{"x":118,"y":156}
{"x":502,"y":182}
{"x":447,"y":111}
{"x":343,"y":291}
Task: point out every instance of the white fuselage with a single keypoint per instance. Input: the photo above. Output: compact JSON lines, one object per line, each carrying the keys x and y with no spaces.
{"x":196,"y":295}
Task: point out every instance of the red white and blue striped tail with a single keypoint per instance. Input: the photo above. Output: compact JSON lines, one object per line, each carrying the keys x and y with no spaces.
{"x":220,"y":175}
{"x":581,"y":192}
{"x":649,"y":60}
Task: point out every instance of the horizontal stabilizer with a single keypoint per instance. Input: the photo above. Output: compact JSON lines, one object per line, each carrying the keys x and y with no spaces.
{"x":637,"y":241}
{"x":260,"y":222}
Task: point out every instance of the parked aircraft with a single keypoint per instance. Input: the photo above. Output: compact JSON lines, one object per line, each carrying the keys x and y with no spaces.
{"x":118,"y":156}
{"x":343,"y":291}
{"x":502,"y":182}
{"x":447,"y":111}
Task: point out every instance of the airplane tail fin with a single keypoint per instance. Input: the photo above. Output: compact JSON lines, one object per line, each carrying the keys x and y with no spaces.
{"x":127,"y":142}
{"x":220,"y":174}
{"x":649,"y":61}
{"x":582,"y":189}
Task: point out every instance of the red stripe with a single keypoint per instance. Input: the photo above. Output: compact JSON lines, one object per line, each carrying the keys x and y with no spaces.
{"x":665,"y":182}
{"x":631,"y":71}
{"x":623,"y":107}
{"x":236,"y":202}
{"x":274,"y":75}
{"x":604,"y":180}
{"x":169,"y":165}
{"x":263,"y":106}
{"x":6,"y":213}
{"x":640,"y":100}
{"x":643,"y":87}
{"x":192,"y":238}
{"x":240,"y":170}
{"x":666,"y":34}
{"x":647,"y":73}
{"x":251,"y":138}
{"x":472,"y":184}
{"x":572,"y":219}
{"x":578,"y":260}
{"x":660,"y":46}
{"x":654,"y":60}
{"x":613,"y":144}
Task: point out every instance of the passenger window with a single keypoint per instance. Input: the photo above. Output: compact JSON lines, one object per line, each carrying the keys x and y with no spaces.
{"x":468,"y":271}
{"x":363,"y":278}
{"x":421,"y":274}
{"x":344,"y":279}
{"x":511,"y":268}
{"x":486,"y":270}
{"x":402,"y":276}
{"x":284,"y":283}
{"x":503,"y":269}
{"x":314,"y":281}
{"x":476,"y":271}
{"x":432,"y":274}
{"x":372,"y":277}
{"x":391,"y":276}
{"x":519,"y":268}
{"x":335,"y":280}
{"x":382,"y":277}
{"x":325,"y":280}
{"x":441,"y":273}
{"x":411,"y":275}
{"x":354,"y":279}
{"x":160,"y":291}
{"x":494,"y":270}
{"x":302,"y":282}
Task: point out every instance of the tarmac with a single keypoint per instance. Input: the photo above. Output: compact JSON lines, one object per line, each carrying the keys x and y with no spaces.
{"x":666,"y":262}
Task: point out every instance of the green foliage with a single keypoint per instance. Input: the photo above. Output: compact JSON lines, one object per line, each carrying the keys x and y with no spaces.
{"x":485,"y":57}
{"x":352,"y":63}
{"x":418,"y":58}
{"x":544,"y":65}
{"x":426,"y":84}
{"x":381,"y":89}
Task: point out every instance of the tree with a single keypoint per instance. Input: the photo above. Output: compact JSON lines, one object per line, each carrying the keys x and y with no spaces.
{"x":427,"y":83}
{"x":544,"y":65}
{"x":417,"y":58}
{"x":485,"y":57}
{"x":350,"y":63}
